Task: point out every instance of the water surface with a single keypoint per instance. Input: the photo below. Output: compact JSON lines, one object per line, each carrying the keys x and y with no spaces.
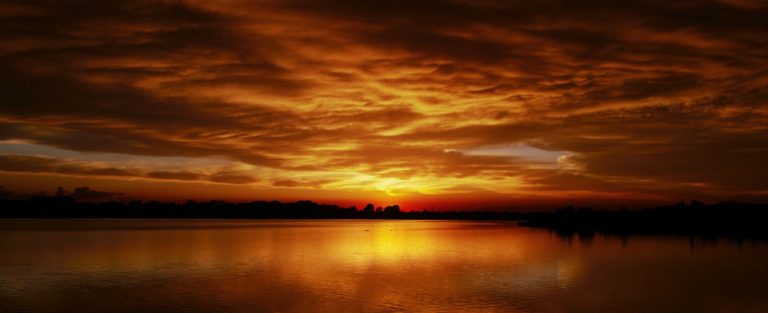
{"x":366,"y":266}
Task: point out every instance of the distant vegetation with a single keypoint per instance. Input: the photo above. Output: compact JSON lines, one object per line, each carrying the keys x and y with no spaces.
{"x":69,"y":207}
{"x":725,"y":218}
{"x":730,"y":219}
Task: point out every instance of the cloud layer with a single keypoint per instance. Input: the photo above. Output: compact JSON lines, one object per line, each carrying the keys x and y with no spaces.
{"x":640,"y":99}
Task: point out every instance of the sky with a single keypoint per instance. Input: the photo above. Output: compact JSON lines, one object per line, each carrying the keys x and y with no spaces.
{"x":428,"y":104}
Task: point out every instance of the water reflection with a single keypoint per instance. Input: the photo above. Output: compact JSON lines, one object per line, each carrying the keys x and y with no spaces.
{"x":311,"y":266}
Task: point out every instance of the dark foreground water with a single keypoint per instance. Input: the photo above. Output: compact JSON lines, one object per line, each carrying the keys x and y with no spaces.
{"x":365,"y":266}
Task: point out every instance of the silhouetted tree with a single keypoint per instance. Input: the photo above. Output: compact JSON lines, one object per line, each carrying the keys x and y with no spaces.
{"x":368,"y":210}
{"x":393,"y":209}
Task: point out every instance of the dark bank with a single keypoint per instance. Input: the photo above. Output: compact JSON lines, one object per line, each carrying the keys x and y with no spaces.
{"x":731,"y":219}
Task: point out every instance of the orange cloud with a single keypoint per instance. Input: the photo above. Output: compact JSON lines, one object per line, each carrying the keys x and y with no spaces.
{"x":399,"y":99}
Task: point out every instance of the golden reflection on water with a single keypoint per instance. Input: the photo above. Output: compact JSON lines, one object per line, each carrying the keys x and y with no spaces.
{"x":332,"y":266}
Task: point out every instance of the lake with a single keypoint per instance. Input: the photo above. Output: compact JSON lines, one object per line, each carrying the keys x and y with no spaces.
{"x":366,"y":266}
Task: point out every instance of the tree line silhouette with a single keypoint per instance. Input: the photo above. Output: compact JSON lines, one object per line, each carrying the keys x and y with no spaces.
{"x":731,"y":219}
{"x":68,"y":207}
{"x":724,"y":218}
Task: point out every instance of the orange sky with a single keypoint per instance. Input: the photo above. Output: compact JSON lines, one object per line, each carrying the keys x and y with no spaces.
{"x":429,"y":104}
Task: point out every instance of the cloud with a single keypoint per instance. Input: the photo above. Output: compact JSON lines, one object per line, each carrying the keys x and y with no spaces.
{"x":175,"y":175}
{"x":47,"y":165}
{"x":286,"y":183}
{"x":232,"y":178}
{"x":670,"y":98}
{"x":304,"y":183}
{"x":38,"y":164}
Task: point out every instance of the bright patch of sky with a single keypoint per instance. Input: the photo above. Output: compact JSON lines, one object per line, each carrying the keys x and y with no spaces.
{"x":518,"y":150}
